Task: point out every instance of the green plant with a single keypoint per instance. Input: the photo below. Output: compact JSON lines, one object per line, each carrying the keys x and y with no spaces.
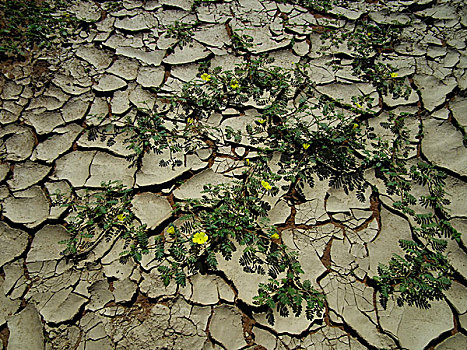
{"x":322,"y":6}
{"x":367,"y":42}
{"x":423,"y":273}
{"x":231,"y":216}
{"x":313,"y":136}
{"x":113,"y":5}
{"x":99,"y":215}
{"x":25,"y":24}
{"x":241,"y":42}
{"x":181,"y":32}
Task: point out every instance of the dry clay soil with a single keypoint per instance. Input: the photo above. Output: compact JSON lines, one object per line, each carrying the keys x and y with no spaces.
{"x":111,"y":67}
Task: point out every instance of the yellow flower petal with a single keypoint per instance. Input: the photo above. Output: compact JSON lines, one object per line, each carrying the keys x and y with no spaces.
{"x":266,"y":185}
{"x":190,"y":120}
{"x":358,"y":105}
{"x":354,"y":126}
{"x":171,"y":230}
{"x":275,"y":236}
{"x":394,"y":75}
{"x":205,"y":77}
{"x":234,"y":84}
{"x":121,"y":217}
{"x":306,"y":145}
{"x":261,"y":121}
{"x":200,"y":237}
{"x":247,"y":161}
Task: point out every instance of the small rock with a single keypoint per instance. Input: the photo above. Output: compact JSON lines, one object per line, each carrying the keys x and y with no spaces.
{"x":26,"y":330}
{"x":151,"y":209}
{"x":353,"y":15}
{"x":151,"y":173}
{"x":86,"y":10}
{"x":153,"y":58}
{"x":212,"y":35}
{"x":100,"y":296}
{"x":52,"y":99}
{"x":393,"y":228}
{"x":7,"y":306}
{"x":436,"y":51}
{"x":141,"y":98}
{"x":13,"y":243}
{"x":415,"y":327}
{"x":27,"y":174}
{"x":459,"y":110}
{"x":29,"y":207}
{"x":442,"y":135}
{"x":207,"y":290}
{"x":100,"y":171}
{"x":194,"y":186}
{"x":74,"y":167}
{"x":401,"y":101}
{"x":43,"y":122}
{"x":64,"y":189}
{"x":63,"y":306}
{"x":51,"y":148}
{"x":4,"y":170}
{"x":279,"y":213}
{"x":98,"y":111}
{"x":185,"y":72}
{"x":110,"y":83}
{"x":120,"y":102}
{"x":153,"y":286}
{"x":151,"y":77}
{"x":453,"y":343}
{"x":15,"y":282}
{"x":124,"y":290}
{"x":124,"y":68}
{"x":183,"y":4}
{"x":118,"y":148}
{"x":189,"y":53}
{"x":301,"y":48}
{"x":284,"y":324}
{"x":98,"y":58}
{"x":457,"y":295}
{"x":75,"y":109}
{"x":101,"y":344}
{"x":45,"y":245}
{"x":144,"y":21}
{"x":433,"y":90}
{"x":226,"y":317}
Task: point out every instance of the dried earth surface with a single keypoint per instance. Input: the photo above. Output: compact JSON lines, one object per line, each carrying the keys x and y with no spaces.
{"x":115,"y":65}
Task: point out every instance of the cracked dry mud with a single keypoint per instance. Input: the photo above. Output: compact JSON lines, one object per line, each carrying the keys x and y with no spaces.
{"x":111,"y":68}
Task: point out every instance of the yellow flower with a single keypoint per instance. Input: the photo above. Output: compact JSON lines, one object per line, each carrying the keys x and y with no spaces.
{"x":205,"y":77}
{"x":234,"y":84}
{"x":354,"y":126}
{"x":261,"y":121}
{"x":306,"y":145}
{"x":275,"y":236}
{"x":358,"y":105}
{"x":266,"y":185}
{"x":369,"y":34}
{"x":121,"y":217}
{"x":190,"y":120}
{"x":171,"y":230}
{"x":394,"y":75}
{"x":247,"y":161}
{"x":200,"y":238}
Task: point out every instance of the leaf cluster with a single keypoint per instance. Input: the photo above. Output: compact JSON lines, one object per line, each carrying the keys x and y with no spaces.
{"x":25,"y":24}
